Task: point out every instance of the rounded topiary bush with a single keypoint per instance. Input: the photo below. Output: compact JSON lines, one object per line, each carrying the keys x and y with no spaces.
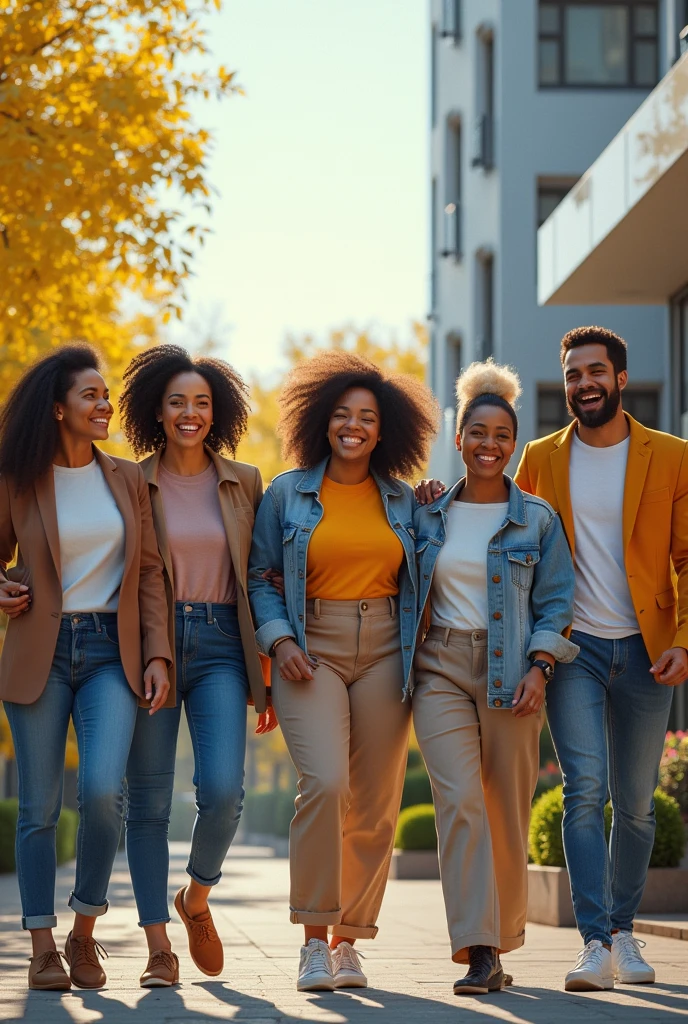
{"x":416,"y":828}
{"x":417,"y":788}
{"x":545,"y":845}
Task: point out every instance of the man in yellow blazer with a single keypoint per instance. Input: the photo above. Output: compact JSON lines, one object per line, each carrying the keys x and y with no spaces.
{"x":622,"y":493}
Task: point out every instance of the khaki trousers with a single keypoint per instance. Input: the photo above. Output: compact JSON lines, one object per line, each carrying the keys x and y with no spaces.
{"x":347,"y":734}
{"x":483,"y":764}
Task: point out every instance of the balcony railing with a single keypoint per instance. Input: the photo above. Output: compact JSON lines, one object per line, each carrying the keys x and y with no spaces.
{"x":483,"y":143}
{"x":452,"y":232}
{"x":451,"y":20}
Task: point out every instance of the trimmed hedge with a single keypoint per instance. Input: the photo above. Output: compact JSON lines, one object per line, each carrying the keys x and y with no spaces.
{"x":416,"y":828}
{"x":268,"y":812}
{"x":417,"y":788}
{"x":545,"y":842}
{"x":67,"y":826}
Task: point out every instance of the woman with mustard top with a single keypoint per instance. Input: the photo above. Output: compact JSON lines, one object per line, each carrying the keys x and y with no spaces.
{"x":339,"y":530}
{"x":187,"y":411}
{"x":86,"y":640}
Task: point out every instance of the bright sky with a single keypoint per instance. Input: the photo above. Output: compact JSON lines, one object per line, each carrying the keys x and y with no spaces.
{"x":322,"y":173}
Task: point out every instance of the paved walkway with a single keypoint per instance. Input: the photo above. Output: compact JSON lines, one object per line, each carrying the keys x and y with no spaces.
{"x":408,"y":966}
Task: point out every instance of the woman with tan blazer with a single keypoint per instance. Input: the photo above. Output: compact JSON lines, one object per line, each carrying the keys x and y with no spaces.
{"x":86,"y":640}
{"x":187,"y":411}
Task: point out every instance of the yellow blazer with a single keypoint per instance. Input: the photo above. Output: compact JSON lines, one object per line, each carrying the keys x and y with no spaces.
{"x":655,"y":522}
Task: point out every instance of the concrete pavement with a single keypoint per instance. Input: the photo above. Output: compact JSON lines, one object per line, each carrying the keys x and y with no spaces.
{"x":408,"y":965}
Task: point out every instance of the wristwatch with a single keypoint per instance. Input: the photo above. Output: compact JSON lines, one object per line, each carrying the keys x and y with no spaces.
{"x":545,"y":667}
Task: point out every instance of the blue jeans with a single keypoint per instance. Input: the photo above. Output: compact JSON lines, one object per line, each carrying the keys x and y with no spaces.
{"x":88,"y":684}
{"x":212,"y":683}
{"x":608,"y":719}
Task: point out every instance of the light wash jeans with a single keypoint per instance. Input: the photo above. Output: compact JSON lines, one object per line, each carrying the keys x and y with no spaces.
{"x":213,"y":685}
{"x":88,"y":684}
{"x":608,"y":719}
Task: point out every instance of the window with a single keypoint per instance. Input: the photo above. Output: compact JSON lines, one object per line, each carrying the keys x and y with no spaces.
{"x":451,"y":20}
{"x":550,"y":192}
{"x":642,"y":403}
{"x":433,"y":246}
{"x":453,"y":351}
{"x":485,"y":318}
{"x":453,"y":186}
{"x":483,"y":139}
{"x":609,"y":44}
{"x":433,"y":76}
{"x":680,"y":364}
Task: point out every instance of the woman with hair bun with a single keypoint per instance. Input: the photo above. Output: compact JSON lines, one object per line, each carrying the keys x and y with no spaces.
{"x":187,"y":412}
{"x":496,"y":600}
{"x":340,"y":531}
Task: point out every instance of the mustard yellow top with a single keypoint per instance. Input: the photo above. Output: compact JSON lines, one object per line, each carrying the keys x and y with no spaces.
{"x":353,"y":552}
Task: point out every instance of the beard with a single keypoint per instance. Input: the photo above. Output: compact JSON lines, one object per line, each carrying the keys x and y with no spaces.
{"x":597,"y":417}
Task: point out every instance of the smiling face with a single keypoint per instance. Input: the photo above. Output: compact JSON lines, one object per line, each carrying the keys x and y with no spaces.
{"x":186,"y":412}
{"x":593,"y":390}
{"x":487,"y":441}
{"x":86,"y":411}
{"x":354,"y":427}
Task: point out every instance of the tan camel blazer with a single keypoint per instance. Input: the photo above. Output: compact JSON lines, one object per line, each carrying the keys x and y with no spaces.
{"x":28,"y":529}
{"x":240,"y":490}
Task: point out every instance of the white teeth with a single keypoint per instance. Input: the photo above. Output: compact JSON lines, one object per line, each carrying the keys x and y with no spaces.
{"x":351,"y":440}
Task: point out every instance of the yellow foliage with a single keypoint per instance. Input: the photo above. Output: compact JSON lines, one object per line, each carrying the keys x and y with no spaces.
{"x":261,"y":446}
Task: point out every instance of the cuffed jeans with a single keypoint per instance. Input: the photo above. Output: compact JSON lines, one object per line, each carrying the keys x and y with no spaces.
{"x":88,"y":684}
{"x":213,"y":685}
{"x":608,"y":719}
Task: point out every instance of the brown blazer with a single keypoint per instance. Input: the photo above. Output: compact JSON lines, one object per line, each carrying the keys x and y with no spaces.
{"x":240,"y":490}
{"x":28,"y":528}
{"x":655,"y":522}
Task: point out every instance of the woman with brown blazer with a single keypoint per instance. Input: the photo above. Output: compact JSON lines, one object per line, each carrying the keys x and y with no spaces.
{"x":187,"y":411}
{"x":86,"y":640}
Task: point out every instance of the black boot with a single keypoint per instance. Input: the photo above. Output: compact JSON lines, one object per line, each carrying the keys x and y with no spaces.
{"x":485,"y":973}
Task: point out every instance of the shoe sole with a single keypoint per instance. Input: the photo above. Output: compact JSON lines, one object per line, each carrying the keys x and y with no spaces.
{"x":101,"y":984}
{"x":588,"y":985}
{"x":496,"y":984}
{"x":324,"y":985}
{"x":158,"y":983}
{"x":351,"y":981}
{"x":635,"y":981}
{"x":178,"y":906}
{"x":51,"y":988}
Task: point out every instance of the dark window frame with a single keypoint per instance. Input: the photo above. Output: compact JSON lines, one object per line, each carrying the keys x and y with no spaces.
{"x":633,"y":37}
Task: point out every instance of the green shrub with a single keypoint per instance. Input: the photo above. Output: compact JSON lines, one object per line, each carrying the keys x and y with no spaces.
{"x":8,"y":829}
{"x":545,"y":843}
{"x":417,"y":788}
{"x":673,"y":770}
{"x":268,"y":812}
{"x":414,"y":759}
{"x":67,"y":825}
{"x":416,"y":828}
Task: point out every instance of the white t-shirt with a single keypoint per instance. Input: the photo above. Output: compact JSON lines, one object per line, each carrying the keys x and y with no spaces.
{"x":91,"y":534}
{"x":459,"y":583}
{"x":602,"y":606}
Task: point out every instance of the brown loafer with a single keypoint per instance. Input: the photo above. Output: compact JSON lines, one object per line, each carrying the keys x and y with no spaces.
{"x":46,"y":972}
{"x":204,"y":943}
{"x":161,"y":971}
{"x":85,"y":968}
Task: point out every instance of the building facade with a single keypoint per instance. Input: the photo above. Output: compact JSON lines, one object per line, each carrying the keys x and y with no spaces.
{"x":525,"y":95}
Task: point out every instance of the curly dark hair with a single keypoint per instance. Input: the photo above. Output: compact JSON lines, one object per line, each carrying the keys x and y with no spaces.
{"x":617,"y":349}
{"x":408,"y":411}
{"x":29,"y":434}
{"x":145,"y":380}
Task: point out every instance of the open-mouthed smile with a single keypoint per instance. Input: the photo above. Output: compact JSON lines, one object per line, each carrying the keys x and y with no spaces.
{"x":589,"y":398}
{"x":349,"y":441}
{"x":188,"y":429}
{"x":487,"y":460}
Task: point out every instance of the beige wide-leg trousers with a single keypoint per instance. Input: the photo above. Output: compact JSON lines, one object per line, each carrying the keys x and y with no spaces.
{"x":483,"y":764}
{"x":347,"y":734}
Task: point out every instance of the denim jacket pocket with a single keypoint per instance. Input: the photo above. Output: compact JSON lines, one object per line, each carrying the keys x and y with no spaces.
{"x":523,"y":567}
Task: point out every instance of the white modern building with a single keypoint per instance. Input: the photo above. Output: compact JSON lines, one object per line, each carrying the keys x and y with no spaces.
{"x":525,"y":95}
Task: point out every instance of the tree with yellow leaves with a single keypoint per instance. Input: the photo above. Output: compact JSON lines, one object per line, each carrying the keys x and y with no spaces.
{"x":102,"y":169}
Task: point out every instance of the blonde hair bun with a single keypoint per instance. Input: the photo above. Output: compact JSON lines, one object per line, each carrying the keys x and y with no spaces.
{"x":488,"y":378}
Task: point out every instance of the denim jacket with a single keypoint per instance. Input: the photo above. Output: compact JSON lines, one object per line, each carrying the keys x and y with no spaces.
{"x":530,"y":583}
{"x":288,"y":514}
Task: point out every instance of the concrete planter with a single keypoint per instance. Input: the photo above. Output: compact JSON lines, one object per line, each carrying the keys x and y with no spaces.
{"x":414,"y":864}
{"x":549,"y":895}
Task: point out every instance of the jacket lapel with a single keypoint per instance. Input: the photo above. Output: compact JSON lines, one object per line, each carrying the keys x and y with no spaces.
{"x":639,"y":455}
{"x":559,"y":464}
{"x":45,"y":497}
{"x":118,"y":487}
{"x":151,"y":468}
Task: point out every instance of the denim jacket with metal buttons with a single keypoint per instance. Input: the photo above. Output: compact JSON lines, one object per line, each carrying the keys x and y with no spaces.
{"x":530,"y":581}
{"x":288,"y":514}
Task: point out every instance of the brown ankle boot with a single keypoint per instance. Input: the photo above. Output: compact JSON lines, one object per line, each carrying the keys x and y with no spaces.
{"x":204,"y":943}
{"x":82,"y":956}
{"x":46,"y":972}
{"x":161,"y":971}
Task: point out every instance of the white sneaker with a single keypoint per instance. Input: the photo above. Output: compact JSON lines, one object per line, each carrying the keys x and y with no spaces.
{"x":593,"y":970}
{"x":627,"y":962}
{"x":315,"y":968}
{"x":347,"y":967}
